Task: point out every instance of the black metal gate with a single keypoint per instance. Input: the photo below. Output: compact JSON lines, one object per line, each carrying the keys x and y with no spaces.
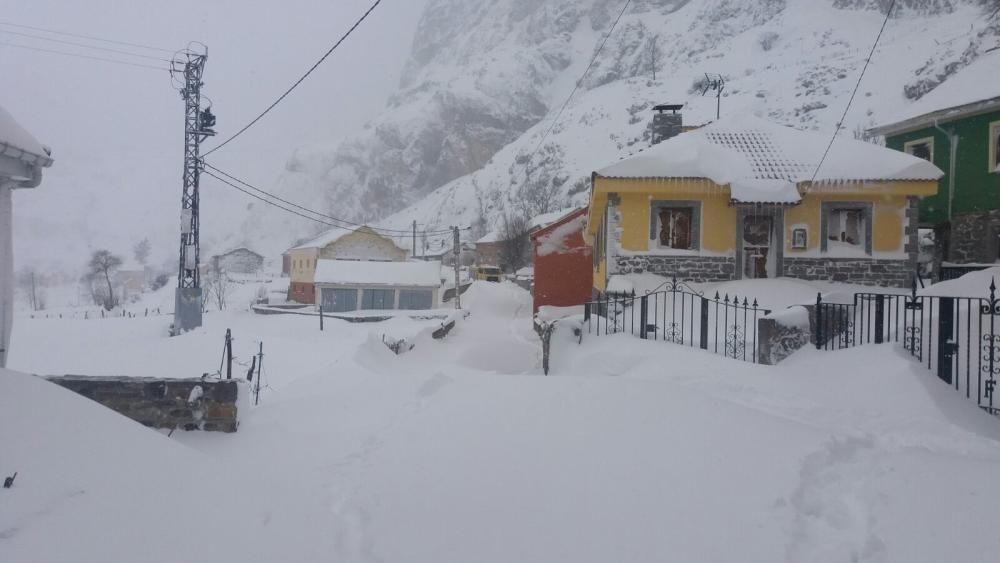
{"x":674,"y":312}
{"x":956,"y":337}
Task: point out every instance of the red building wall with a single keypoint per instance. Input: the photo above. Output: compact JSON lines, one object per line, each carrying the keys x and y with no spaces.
{"x":564,"y":267}
{"x":302,"y":292}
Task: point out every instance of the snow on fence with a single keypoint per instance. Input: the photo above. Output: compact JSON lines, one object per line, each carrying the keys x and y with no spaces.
{"x":674,"y":312}
{"x":103,"y":314}
{"x":956,"y":337}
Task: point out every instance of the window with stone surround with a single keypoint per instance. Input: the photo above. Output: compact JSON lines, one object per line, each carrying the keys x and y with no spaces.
{"x":675,"y":224}
{"x":846,"y":228}
{"x":921,"y":148}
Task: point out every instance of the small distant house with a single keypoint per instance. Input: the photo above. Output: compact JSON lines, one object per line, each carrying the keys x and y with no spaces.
{"x":746,"y":198}
{"x":352,"y":285}
{"x":129,"y":282}
{"x":361,"y":244}
{"x":443,"y":251}
{"x":956,"y":126}
{"x":496,"y":251}
{"x":489,"y":249}
{"x":238,"y":261}
{"x":563,"y":261}
{"x":22,"y":159}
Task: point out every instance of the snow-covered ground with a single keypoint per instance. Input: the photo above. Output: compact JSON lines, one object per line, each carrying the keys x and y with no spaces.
{"x":459,"y":450}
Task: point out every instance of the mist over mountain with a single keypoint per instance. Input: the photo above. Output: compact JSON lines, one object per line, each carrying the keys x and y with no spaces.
{"x":456,"y":143}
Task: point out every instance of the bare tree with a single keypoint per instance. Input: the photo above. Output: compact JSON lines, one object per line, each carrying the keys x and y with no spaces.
{"x":33,"y":286}
{"x":217,"y":286}
{"x":654,"y":54}
{"x":480,"y":223}
{"x":102,"y":266}
{"x":141,"y":251}
{"x":515,"y":245}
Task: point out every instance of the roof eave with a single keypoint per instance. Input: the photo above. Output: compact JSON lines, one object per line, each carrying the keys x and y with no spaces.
{"x":942,"y":115}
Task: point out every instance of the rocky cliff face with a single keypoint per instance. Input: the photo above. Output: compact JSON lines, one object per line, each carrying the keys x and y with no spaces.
{"x":465,"y":135}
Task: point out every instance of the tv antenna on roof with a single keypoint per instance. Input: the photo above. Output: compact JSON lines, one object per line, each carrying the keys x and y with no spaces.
{"x":716,"y":83}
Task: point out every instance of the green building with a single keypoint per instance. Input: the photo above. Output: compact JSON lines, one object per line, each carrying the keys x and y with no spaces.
{"x":957,"y":127}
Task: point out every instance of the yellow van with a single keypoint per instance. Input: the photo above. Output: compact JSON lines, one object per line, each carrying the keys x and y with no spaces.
{"x":487,"y":273}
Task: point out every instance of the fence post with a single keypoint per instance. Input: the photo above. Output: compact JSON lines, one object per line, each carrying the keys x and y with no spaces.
{"x":643,"y":315}
{"x":946,"y":343}
{"x":880,"y":319}
{"x":260,"y":373}
{"x":229,"y":354}
{"x":704,"y":324}
{"x":321,"y":318}
{"x":819,"y":321}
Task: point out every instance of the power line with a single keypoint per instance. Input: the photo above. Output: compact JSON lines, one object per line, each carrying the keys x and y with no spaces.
{"x":578,"y":83}
{"x":854,"y":93}
{"x":84,"y":45}
{"x":350,"y":225}
{"x":269,"y":202}
{"x":90,"y":37}
{"x":327,"y":219}
{"x":299,"y":81}
{"x":81,"y":56}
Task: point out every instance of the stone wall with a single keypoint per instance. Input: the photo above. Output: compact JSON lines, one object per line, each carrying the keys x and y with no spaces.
{"x":687,"y":268}
{"x":781,"y":333}
{"x":188,"y":404}
{"x":866,"y":271}
{"x":974,"y":237}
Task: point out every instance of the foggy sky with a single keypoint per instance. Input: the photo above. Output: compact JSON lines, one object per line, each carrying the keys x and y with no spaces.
{"x":116,"y":132}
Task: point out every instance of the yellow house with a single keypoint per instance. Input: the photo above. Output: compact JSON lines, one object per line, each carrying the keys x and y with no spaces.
{"x":362,"y":243}
{"x":746,"y":198}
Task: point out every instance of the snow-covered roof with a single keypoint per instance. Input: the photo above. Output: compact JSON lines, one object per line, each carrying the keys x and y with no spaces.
{"x":972,"y":89}
{"x":762,"y":160}
{"x":355,"y":272}
{"x":764,"y":190}
{"x":16,"y":142}
{"x":492,"y":236}
{"x":546,"y":219}
{"x":335,"y":234}
{"x":236,"y":249}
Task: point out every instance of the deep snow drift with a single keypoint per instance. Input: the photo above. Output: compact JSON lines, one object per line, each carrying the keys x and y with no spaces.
{"x":459,"y":450}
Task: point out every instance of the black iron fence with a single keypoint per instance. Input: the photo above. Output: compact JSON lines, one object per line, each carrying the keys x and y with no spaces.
{"x":956,"y":337}
{"x":953,"y":271}
{"x":674,"y":312}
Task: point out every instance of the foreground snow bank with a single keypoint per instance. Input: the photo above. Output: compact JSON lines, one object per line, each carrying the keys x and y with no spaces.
{"x":94,"y":486}
{"x":459,"y":450}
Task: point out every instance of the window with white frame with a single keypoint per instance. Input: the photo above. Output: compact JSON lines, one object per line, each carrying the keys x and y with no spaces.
{"x":378,"y":299}
{"x":921,"y":148}
{"x":415,"y":299}
{"x":994,"y":162}
{"x":847,"y":226}
{"x":675,"y":224}
{"x":339,"y":300}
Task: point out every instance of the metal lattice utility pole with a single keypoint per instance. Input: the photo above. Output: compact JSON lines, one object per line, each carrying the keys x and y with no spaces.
{"x":197,"y":126}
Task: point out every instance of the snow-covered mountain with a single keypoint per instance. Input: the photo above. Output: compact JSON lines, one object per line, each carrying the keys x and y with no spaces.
{"x":475,"y":127}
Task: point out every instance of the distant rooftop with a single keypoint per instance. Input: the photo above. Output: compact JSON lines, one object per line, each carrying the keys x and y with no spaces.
{"x":360,"y":272}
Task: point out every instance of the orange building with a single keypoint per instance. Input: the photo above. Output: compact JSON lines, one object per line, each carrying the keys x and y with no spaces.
{"x":563,"y":261}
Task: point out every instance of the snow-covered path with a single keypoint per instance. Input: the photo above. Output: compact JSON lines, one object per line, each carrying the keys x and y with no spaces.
{"x":460,"y":451}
